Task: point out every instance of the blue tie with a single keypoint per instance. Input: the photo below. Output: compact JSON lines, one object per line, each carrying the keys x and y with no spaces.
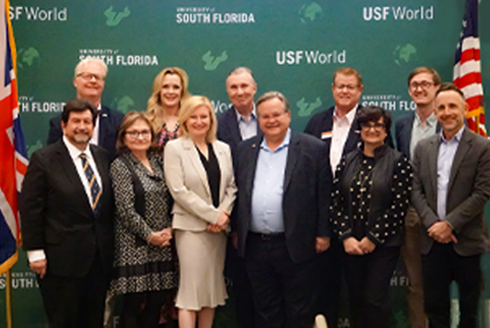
{"x":94,"y":187}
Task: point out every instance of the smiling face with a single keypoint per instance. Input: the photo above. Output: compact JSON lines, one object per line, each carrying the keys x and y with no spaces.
{"x":138,"y":136}
{"x":373,"y":134}
{"x":422,"y":89}
{"x":79,"y":128}
{"x":171,"y":91}
{"x":273,"y":119}
{"x":450,"y":111}
{"x":346,"y":92}
{"x":89,"y":82}
{"x":199,"y":122}
{"x":241,"y":89}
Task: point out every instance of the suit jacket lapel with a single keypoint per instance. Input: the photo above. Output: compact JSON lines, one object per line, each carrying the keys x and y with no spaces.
{"x":463,"y":148}
{"x":103,"y":124}
{"x":292,"y":157}
{"x":232,"y":123}
{"x":251,"y":166}
{"x":192,"y":155}
{"x":220,"y":157}
{"x":433,"y":156}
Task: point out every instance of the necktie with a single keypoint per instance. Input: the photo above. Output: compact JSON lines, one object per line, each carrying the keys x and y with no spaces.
{"x":94,"y":187}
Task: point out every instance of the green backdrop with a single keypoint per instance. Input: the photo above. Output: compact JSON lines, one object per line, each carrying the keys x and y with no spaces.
{"x":292,"y":46}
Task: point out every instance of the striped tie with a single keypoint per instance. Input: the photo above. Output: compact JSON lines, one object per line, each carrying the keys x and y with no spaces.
{"x":94,"y":187}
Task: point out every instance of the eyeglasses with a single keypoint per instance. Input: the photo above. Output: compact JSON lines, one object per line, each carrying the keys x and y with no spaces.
{"x":90,"y":76}
{"x":136,"y":134}
{"x":349,"y":87}
{"x":424,"y":85}
{"x":375,"y":126}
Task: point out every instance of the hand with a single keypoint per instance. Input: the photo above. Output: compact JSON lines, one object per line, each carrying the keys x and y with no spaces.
{"x":442,"y":232}
{"x":367,"y":246}
{"x":161,"y":238}
{"x":213,"y":228}
{"x":322,"y":244}
{"x":352,"y":247}
{"x":223,"y":220}
{"x":39,"y":267}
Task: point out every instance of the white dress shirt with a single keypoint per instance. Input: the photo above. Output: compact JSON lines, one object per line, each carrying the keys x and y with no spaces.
{"x":340,"y":132}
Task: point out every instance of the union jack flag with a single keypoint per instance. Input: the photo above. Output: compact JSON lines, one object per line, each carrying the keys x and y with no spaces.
{"x":13,"y":155}
{"x":467,"y":69}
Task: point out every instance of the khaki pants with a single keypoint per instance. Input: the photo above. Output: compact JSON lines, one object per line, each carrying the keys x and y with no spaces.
{"x":410,"y":252}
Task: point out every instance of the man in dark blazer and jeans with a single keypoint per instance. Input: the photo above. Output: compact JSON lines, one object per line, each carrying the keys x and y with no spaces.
{"x":237,"y":123}
{"x":451,"y":188}
{"x":281,"y":215}
{"x":66,"y":210}
{"x":423,"y":83}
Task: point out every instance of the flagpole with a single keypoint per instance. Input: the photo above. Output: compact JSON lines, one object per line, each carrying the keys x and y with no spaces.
{"x":8,"y":298}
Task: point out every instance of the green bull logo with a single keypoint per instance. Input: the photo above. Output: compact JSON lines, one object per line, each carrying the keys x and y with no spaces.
{"x":213,"y":62}
{"x":114,"y":18}
{"x":32,"y":148}
{"x":305,"y":109}
{"x":124,"y":105}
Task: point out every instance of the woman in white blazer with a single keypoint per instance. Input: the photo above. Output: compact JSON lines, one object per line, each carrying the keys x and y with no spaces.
{"x":199,"y":175}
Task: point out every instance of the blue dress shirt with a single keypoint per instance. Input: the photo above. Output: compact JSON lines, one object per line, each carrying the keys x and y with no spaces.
{"x":248,"y":129}
{"x":268,"y":186}
{"x":447,"y":150}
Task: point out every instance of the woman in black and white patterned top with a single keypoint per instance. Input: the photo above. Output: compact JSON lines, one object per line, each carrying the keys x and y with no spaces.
{"x":371,"y":194}
{"x":145,"y":266}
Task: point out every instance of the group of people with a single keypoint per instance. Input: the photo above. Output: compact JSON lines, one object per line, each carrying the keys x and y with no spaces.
{"x":181,"y":197}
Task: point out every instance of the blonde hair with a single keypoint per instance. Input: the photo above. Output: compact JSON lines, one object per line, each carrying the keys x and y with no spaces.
{"x":186,"y":111}
{"x":155,"y":110}
{"x":88,"y":60}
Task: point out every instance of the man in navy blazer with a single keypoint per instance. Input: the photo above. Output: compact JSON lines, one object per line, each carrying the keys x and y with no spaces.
{"x":89,"y":80}
{"x":281,"y":215}
{"x":237,"y":123}
{"x":423,"y":82}
{"x":338,"y":128}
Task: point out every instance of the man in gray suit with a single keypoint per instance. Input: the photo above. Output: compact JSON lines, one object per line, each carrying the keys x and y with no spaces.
{"x":451,"y":188}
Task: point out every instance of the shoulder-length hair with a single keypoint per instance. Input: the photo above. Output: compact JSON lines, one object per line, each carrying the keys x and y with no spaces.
{"x":186,"y":111}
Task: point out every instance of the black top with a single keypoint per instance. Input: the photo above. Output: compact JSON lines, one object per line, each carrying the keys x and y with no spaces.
{"x":213,"y":172}
{"x":360,"y":189}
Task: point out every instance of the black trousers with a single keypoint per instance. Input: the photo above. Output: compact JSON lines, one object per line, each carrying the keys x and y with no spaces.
{"x":368,"y":280}
{"x":242,"y":289}
{"x":75,"y":302}
{"x":283,"y":291}
{"x":329,"y":280}
{"x":440,"y":267}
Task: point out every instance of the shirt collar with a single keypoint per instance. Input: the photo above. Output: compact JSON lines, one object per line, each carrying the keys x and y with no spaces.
{"x":239,"y":116}
{"x":74,"y":151}
{"x":457,"y":136}
{"x":350,"y":116}
{"x":430,"y":121}
{"x":284,"y":143}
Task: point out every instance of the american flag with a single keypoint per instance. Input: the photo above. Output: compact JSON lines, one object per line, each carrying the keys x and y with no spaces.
{"x":467,"y":69}
{"x":13,"y":155}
